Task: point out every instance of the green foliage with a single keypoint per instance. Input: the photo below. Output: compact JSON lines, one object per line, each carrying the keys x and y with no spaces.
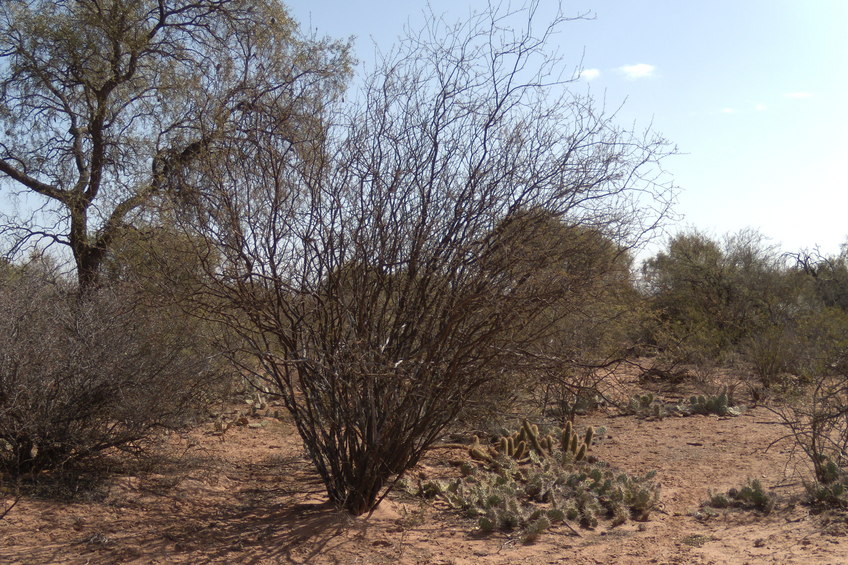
{"x":107,"y":130}
{"x":809,"y":345}
{"x":741,"y":302}
{"x":752,"y":496}
{"x":829,"y":495}
{"x":162,"y":264}
{"x":547,"y":486}
{"x":690,"y":291}
{"x":715,"y":303}
{"x":833,"y":495}
{"x":594,"y":321}
{"x":823,"y":343}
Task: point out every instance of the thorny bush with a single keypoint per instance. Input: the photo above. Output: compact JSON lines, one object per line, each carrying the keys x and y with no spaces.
{"x":82,"y":374}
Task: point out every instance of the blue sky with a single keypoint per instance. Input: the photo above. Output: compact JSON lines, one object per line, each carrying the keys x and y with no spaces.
{"x":753,"y":92}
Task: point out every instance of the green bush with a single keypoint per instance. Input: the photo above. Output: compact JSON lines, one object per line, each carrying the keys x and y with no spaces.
{"x":772,"y":353}
{"x":717,"y":303}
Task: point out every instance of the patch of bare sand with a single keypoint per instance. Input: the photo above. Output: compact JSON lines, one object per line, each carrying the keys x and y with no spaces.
{"x":250,"y":496}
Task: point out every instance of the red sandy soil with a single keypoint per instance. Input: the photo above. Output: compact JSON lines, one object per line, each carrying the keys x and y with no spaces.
{"x":250,"y":496}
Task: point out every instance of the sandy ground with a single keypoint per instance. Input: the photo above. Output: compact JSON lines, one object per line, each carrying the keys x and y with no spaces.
{"x":250,"y":496}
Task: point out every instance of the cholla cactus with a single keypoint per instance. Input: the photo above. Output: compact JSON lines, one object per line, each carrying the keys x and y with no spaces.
{"x":478,"y":452}
{"x":572,"y":446}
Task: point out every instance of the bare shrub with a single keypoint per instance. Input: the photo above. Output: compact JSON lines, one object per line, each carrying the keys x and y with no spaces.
{"x":817,"y":415}
{"x":369,"y":268}
{"x":81,"y":375}
{"x":818,"y":422}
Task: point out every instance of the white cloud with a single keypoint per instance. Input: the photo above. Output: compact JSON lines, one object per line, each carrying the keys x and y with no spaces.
{"x":727,"y":111}
{"x":760,"y":107}
{"x":589,"y":74}
{"x":639,"y":70}
{"x":798,"y":95}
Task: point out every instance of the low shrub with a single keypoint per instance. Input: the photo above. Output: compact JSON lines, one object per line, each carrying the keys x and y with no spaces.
{"x":817,"y":421}
{"x":79,"y":375}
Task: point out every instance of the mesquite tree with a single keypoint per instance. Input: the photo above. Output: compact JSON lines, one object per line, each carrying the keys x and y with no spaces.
{"x":105,"y":104}
{"x":370,"y":268}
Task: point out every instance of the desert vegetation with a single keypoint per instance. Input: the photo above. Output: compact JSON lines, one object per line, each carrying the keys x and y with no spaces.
{"x":436,"y":257}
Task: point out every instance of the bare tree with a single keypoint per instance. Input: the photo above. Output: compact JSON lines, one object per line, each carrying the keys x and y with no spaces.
{"x":104,"y":104}
{"x":370,"y":269}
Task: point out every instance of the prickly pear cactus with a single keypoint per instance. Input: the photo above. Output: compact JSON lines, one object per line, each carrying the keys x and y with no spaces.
{"x":647,"y":406}
{"x":526,"y":483}
{"x":720,"y":404}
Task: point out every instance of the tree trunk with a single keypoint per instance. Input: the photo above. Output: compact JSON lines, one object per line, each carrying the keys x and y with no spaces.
{"x":87,"y":255}
{"x":88,"y":270}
